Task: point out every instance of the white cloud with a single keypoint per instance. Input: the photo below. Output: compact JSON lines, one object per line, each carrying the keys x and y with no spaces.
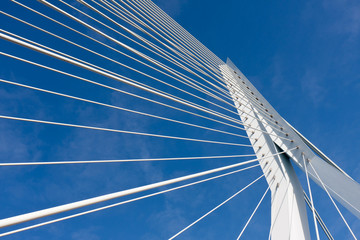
{"x":171,"y":7}
{"x":312,"y":86}
{"x":346,"y":17}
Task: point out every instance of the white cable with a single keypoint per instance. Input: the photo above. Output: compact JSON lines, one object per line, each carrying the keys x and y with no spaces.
{"x":151,"y":18}
{"x":244,"y":94}
{"x":157,"y":48}
{"x":74,"y":205}
{"x":236,"y":91}
{"x":332,"y":200}
{"x":180,"y":33}
{"x":181,"y":42}
{"x":134,"y":34}
{"x":111,"y":75}
{"x":257,"y":206}
{"x":134,"y":95}
{"x":116,"y":50}
{"x":120,"y":131}
{"x":229,"y":119}
{"x":159,"y":64}
{"x":150,"y":76}
{"x":120,"y":203}
{"x":124,"y":65}
{"x":132,"y":160}
{"x":171,"y":41}
{"x":121,"y":12}
{"x":70,"y":59}
{"x":311,"y":199}
{"x":129,"y":31}
{"x":319,"y":219}
{"x":120,"y":108}
{"x":212,"y":210}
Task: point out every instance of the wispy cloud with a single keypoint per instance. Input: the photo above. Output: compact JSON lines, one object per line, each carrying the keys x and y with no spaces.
{"x":172,"y":7}
{"x":312,"y":86}
{"x":346,"y":18}
{"x":85,"y":233}
{"x":279,"y":84}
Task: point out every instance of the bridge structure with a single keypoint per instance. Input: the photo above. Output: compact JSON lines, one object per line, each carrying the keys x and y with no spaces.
{"x":138,"y":61}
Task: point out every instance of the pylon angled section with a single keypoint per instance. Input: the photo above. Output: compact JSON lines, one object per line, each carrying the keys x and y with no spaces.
{"x":288,"y":209}
{"x":269,"y":133}
{"x":342,"y":187}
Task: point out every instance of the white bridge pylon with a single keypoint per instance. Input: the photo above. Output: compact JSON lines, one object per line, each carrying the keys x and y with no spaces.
{"x":269,"y":134}
{"x":136,"y":52}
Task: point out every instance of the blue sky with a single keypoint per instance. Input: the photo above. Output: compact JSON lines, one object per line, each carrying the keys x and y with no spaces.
{"x":302,"y":56}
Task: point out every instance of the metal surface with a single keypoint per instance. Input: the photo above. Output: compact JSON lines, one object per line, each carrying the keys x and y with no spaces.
{"x":341,"y":187}
{"x":288,"y":210}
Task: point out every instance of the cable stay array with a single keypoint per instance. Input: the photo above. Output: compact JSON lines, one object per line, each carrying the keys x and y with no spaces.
{"x":120,"y":203}
{"x":108,"y":102}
